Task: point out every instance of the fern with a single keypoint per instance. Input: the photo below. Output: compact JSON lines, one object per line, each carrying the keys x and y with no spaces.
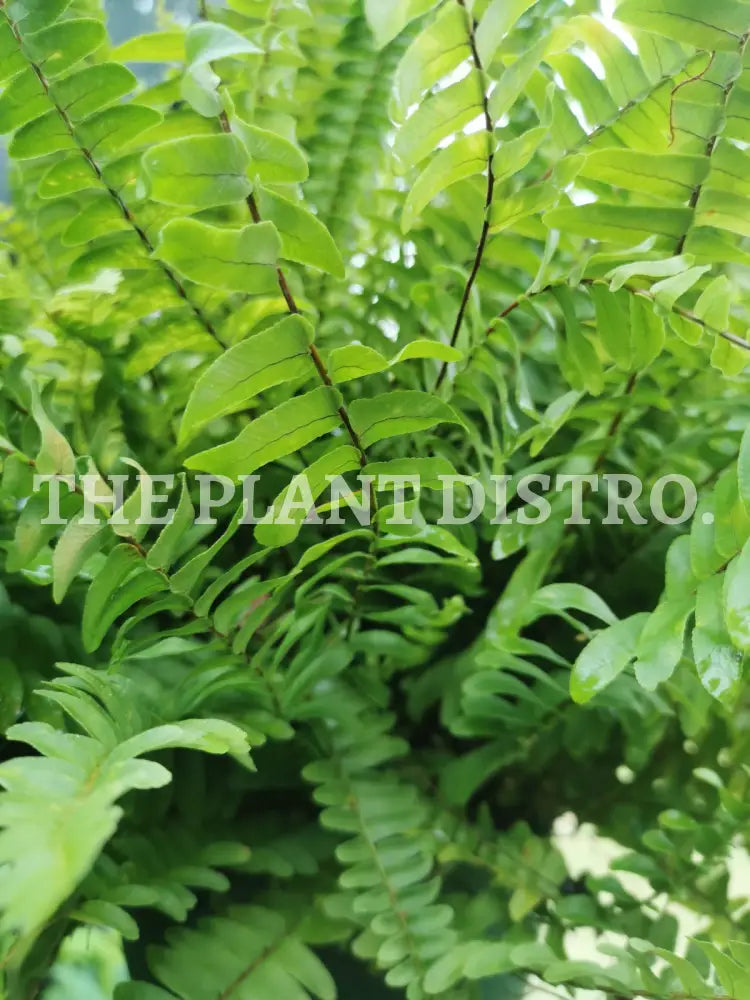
{"x":385,"y":882}
{"x":74,"y":785}
{"x":478,"y":241}
{"x":248,"y":950}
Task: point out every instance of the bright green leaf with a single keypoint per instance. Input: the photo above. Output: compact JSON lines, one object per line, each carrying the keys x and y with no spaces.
{"x":278,"y":354}
{"x":304,"y":238}
{"x":198,"y":171}
{"x":605,"y":657}
{"x":279,"y":432}
{"x":398,"y":412}
{"x":232,"y":260}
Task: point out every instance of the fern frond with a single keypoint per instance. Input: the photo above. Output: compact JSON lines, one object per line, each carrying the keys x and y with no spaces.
{"x":250,"y":952}
{"x":163,"y":872}
{"x":515,"y":258}
{"x":59,"y":808}
{"x":389,"y":858}
{"x":347,"y":142}
{"x":80,"y":114}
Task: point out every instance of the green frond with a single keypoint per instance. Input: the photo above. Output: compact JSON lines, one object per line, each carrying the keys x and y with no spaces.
{"x":246,"y":953}
{"x":341,"y":255}
{"x":388,"y":857}
{"x":59,"y":808}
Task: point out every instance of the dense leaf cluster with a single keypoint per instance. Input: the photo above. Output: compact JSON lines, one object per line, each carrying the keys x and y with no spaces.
{"x":498,"y":238}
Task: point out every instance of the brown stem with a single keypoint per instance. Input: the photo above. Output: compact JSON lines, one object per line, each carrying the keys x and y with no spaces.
{"x":675,"y":91}
{"x":484,"y":235}
{"x":294,"y":309}
{"x":712,"y":144}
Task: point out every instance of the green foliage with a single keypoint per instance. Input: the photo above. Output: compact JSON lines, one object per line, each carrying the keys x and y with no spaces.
{"x":498,"y":239}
